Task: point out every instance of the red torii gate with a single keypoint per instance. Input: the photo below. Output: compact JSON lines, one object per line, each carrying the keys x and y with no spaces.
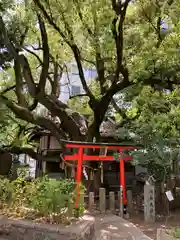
{"x":81,"y":156}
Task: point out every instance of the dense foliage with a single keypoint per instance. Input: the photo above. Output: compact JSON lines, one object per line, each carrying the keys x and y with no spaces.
{"x":132,"y":46}
{"x":41,"y":197}
{"x":156,"y":128}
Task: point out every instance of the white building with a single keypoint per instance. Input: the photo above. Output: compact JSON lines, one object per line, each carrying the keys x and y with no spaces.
{"x":71,"y":83}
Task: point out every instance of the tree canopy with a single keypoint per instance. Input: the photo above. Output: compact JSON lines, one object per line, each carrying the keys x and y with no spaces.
{"x":132,"y":46}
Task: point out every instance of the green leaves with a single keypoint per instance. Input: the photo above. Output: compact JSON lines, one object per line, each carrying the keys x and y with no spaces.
{"x":157,"y":129}
{"x":150,"y":54}
{"x":45,"y":196}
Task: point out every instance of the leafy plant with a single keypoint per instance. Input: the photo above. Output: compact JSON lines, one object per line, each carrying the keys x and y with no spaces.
{"x":49,"y":197}
{"x":45,"y":196}
{"x":177,"y":233}
{"x":5,"y":191}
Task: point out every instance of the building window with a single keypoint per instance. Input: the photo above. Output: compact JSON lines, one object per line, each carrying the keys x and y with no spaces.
{"x":75,"y":90}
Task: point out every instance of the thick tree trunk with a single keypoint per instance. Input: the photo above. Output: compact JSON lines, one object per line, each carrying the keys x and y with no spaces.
{"x":94,"y":132}
{"x":5,"y":163}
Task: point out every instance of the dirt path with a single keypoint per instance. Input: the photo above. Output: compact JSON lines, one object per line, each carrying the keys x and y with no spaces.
{"x":172,"y":221}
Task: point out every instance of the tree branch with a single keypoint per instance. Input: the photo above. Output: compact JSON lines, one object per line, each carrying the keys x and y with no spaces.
{"x":57,"y":108}
{"x":45,"y":66}
{"x":23,"y":150}
{"x":50,"y":20}
{"x":8,"y":89}
{"x":25,"y":114}
{"x":55,"y":83}
{"x":33,"y":106}
{"x":23,"y":36}
{"x":118,"y":109}
{"x":28,"y":75}
{"x":6,"y":40}
{"x":71,"y":44}
{"x":34,"y":54}
{"x":77,"y":56}
{"x":19,"y":84}
{"x":120,"y":10}
{"x":99,"y":61}
{"x":78,"y":95}
{"x":39,"y":60}
{"x":82,"y":20}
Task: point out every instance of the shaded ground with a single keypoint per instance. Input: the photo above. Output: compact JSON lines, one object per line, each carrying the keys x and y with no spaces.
{"x":110,"y":226}
{"x":172,"y":221}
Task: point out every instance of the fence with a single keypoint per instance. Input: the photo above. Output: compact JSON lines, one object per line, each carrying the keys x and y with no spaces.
{"x":103,"y":202}
{"x":113,"y":202}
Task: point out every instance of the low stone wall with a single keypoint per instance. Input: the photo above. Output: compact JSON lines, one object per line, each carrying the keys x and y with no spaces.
{"x":21,"y":229}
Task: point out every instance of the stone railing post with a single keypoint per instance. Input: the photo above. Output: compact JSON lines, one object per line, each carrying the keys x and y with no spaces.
{"x":129,"y":201}
{"x":138,"y":203}
{"x":91,"y":201}
{"x":102,"y":200}
{"x":120,"y":200}
{"x":111,"y":201}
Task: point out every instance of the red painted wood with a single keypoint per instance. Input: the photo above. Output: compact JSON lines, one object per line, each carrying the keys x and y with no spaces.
{"x":86,"y":157}
{"x":122,"y":180}
{"x":79,"y":174}
{"x":80,"y":157}
{"x":69,"y":145}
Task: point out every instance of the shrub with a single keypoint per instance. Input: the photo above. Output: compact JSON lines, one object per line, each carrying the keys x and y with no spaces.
{"x":49,"y":198}
{"x":5,"y":191}
{"x":45,"y":196}
{"x":52,"y":196}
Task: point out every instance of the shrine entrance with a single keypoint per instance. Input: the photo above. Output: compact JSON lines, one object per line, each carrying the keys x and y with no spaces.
{"x":107,"y":152}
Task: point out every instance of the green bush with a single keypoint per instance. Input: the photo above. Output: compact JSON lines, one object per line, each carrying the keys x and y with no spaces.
{"x":5,"y":191}
{"x":45,"y":196}
{"x":52,"y":196}
{"x":49,"y":198}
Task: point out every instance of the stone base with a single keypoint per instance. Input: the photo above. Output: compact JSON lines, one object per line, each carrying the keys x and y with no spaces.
{"x":21,"y":229}
{"x":126,"y":216}
{"x":163,"y":235}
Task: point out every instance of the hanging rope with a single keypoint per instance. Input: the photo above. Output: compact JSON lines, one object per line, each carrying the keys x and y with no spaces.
{"x":66,"y":164}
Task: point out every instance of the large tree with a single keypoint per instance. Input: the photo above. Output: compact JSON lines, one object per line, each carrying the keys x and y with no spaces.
{"x":156,"y":127}
{"x":124,"y":42}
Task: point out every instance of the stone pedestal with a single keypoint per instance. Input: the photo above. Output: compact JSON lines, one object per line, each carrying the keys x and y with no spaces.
{"x":149,"y":203}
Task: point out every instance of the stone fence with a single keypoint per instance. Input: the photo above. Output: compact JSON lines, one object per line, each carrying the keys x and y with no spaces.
{"x":113,"y":202}
{"x":103,"y":202}
{"x":21,"y":229}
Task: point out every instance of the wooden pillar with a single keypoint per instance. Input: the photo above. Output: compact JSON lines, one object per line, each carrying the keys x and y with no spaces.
{"x":79,"y":174}
{"x":122,"y":180}
{"x":102,"y":200}
{"x":111,"y":201}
